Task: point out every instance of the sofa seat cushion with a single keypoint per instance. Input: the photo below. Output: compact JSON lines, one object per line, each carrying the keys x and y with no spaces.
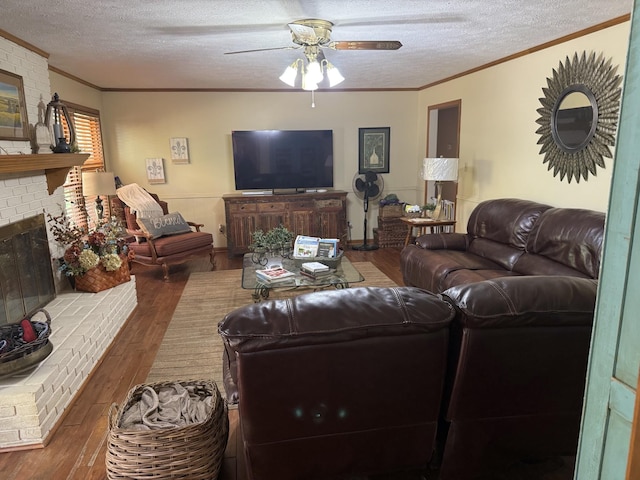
{"x":465,"y":276}
{"x":174,"y":245}
{"x":430,"y":269}
{"x":533,"y":264}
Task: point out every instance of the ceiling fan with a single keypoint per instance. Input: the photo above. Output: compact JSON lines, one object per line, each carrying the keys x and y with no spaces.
{"x":314,"y":34}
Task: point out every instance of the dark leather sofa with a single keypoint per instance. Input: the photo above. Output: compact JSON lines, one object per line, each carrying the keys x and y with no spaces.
{"x":523,"y":280}
{"x":337,"y":382}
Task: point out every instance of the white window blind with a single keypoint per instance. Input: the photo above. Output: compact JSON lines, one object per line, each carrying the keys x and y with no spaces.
{"x":86,"y":122}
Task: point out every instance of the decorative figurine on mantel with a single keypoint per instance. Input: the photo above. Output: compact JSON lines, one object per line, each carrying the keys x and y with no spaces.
{"x":42,"y":135}
{"x":56,"y":111}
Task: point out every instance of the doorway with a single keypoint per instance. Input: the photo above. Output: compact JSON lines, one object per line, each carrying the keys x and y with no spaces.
{"x":443,"y":140}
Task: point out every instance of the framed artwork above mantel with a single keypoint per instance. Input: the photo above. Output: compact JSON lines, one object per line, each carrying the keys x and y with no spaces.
{"x":14,"y":124}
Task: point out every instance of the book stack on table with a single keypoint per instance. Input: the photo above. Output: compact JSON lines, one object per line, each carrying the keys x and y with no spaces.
{"x":315,"y":270}
{"x":274,"y":274}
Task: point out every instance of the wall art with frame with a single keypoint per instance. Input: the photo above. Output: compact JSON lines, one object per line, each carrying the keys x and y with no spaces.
{"x":155,"y":170}
{"x":179,"y":150}
{"x":13,"y":111}
{"x":373,"y":149}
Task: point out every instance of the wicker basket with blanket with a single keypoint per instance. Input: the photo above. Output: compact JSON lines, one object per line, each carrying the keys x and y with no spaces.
{"x":168,"y":430}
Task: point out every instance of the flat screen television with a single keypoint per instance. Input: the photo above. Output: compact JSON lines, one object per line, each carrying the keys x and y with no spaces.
{"x":282,"y":159}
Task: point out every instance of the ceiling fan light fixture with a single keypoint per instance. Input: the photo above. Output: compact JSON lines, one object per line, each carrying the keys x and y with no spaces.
{"x":290,"y":74}
{"x":314,"y":72}
{"x":308,"y":84}
{"x":334,"y":75}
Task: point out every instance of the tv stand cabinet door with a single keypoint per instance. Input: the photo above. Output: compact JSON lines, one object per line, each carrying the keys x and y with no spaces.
{"x":304,"y":218}
{"x":316,"y":214}
{"x":331,"y":215}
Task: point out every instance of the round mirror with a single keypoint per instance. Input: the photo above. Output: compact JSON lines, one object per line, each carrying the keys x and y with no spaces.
{"x":579,"y":116}
{"x":573,"y":124}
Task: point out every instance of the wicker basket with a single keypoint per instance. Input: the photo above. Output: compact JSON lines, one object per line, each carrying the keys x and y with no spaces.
{"x":13,"y":347}
{"x":391,"y":232}
{"x":98,"y":279}
{"x":192,"y":452}
{"x":390,"y":211}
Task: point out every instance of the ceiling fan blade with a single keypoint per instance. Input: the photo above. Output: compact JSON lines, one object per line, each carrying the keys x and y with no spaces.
{"x":366,"y":45}
{"x":304,"y":33}
{"x":262,"y":50}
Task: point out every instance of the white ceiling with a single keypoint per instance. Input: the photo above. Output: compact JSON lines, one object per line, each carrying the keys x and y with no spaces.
{"x":181,"y":44}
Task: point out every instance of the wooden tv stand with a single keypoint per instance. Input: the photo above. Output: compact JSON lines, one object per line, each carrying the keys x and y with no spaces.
{"x":318,"y":214}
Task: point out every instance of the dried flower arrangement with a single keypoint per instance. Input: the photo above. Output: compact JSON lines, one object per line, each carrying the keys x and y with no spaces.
{"x":86,"y":250}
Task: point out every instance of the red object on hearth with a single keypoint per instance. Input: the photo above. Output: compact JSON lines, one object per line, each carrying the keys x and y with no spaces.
{"x":28,"y":332}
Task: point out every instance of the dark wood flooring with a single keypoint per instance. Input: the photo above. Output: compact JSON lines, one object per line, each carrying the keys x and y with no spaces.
{"x":76,"y":450}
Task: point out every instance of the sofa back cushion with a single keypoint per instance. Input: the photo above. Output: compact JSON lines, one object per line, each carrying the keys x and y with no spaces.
{"x":570,"y":237}
{"x":499,"y":229}
{"x":505,"y":220}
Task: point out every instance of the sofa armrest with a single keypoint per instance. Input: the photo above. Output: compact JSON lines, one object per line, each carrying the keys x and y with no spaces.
{"x":534,"y":300}
{"x":444,"y":241}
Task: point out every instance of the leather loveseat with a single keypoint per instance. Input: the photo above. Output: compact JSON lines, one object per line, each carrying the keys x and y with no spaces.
{"x":523,"y":280}
{"x":337,"y":382}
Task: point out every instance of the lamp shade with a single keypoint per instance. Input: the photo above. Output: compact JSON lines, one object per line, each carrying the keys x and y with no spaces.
{"x":98,"y":183}
{"x":440,"y":169}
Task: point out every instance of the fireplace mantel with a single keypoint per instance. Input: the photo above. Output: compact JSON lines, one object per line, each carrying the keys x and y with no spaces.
{"x":55,"y":165}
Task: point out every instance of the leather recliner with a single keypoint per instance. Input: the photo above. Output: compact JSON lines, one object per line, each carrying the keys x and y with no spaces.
{"x":337,"y":382}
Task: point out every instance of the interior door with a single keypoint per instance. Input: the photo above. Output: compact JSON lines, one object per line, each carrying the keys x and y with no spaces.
{"x":615,"y":356}
{"x":443,"y":140}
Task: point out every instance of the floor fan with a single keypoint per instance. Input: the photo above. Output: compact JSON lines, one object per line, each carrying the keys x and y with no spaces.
{"x":367,"y":186}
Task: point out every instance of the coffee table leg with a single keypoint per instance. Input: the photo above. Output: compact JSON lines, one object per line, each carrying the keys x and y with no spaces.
{"x":260,"y":293}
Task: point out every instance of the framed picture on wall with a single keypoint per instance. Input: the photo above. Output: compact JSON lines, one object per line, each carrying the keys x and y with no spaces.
{"x":373,"y":149}
{"x":155,"y":170}
{"x":179,"y":150}
{"x":13,"y":111}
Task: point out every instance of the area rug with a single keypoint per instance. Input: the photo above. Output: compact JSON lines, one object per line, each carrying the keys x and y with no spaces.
{"x":191,"y":347}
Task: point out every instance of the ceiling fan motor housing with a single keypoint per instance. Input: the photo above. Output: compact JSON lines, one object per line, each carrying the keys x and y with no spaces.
{"x":321,"y":28}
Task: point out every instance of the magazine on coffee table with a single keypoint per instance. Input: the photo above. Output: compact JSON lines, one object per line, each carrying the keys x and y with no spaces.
{"x":274,"y":274}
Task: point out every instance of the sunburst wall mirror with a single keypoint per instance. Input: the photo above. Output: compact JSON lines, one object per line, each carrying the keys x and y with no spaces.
{"x":579,"y":116}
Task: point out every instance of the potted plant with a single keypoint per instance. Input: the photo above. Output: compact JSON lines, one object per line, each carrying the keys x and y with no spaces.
{"x":278,"y":240}
{"x":427,"y":210}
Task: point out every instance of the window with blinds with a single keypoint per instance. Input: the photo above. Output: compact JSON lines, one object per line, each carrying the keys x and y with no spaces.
{"x":86,"y":122}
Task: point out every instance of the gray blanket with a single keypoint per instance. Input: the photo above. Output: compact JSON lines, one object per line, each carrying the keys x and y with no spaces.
{"x":170,"y":406}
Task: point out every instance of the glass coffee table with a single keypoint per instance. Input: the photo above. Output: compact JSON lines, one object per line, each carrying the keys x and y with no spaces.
{"x":341,"y":277}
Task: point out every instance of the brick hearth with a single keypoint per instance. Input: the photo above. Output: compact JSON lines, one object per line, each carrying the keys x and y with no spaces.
{"x":83,"y":326}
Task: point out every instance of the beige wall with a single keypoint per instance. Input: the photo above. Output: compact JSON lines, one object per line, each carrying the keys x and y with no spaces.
{"x":137,"y":126}
{"x":498,"y":155}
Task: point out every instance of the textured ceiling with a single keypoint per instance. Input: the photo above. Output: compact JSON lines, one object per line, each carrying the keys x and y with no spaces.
{"x":181,"y":44}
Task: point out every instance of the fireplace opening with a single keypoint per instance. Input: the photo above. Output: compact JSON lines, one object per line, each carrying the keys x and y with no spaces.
{"x":26,"y":276}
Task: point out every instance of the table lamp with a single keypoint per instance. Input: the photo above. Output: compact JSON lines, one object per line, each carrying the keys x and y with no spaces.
{"x":98,"y":183}
{"x":440,"y":170}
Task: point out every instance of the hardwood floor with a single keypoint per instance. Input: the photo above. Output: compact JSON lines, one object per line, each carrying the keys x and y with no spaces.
{"x":76,"y":450}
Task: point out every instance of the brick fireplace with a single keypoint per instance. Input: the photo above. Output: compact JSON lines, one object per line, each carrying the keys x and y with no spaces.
{"x":83,"y":326}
